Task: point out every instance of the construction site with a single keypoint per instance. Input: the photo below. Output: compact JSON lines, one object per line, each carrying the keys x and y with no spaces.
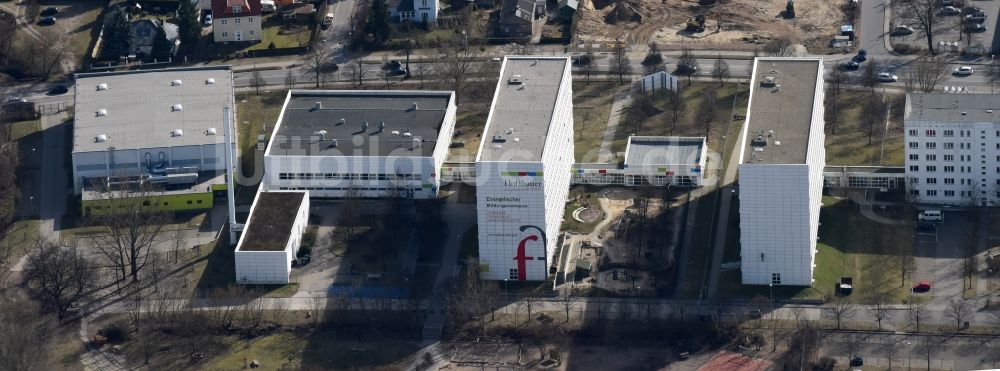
{"x":714,"y":24}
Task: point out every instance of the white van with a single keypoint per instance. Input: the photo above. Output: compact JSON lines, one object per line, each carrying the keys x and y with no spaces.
{"x":930,"y":216}
{"x":328,"y":20}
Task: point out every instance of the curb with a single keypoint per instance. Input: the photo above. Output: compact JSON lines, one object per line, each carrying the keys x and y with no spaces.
{"x":887,"y":39}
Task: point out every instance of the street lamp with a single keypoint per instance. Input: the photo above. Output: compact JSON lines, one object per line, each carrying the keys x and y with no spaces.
{"x":909,"y":351}
{"x":774,"y":326}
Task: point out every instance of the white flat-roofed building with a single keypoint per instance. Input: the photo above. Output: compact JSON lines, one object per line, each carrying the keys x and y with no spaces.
{"x":271,"y":237}
{"x":650,"y":161}
{"x":523,"y":168}
{"x":150,"y":125}
{"x":781,"y":172}
{"x":953,"y":148}
{"x":364,"y":143}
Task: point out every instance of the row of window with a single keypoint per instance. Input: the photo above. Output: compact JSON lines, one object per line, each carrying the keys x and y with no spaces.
{"x":335,"y":176}
{"x":947,"y":193}
{"x":961,"y":181}
{"x":237,"y":20}
{"x":408,"y":191}
{"x":949,"y":133}
{"x":144,"y":203}
{"x":949,"y":169}
{"x":947,"y":145}
{"x":238,"y":35}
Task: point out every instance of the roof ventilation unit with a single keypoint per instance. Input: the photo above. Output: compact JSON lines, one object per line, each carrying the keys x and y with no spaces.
{"x":319,"y":105}
{"x":499,"y":139}
{"x":176,"y":108}
{"x":759,"y":141}
{"x":394,"y":132}
{"x":102,"y":112}
{"x":364,"y":126}
{"x":322,"y":134}
{"x":210,"y":81}
{"x":515,"y":80}
{"x":381,"y":126}
{"x":101,"y":138}
{"x":177,"y":133}
{"x":517,"y":140}
{"x":102,"y":86}
{"x":210,"y":131}
{"x":407,"y":134}
{"x":769,"y":81}
{"x":176,"y":82}
{"x":342,"y":121}
{"x":416,"y":142}
{"x":414,"y":107}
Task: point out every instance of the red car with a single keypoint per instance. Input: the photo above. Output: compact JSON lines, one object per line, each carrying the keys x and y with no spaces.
{"x":922,"y":286}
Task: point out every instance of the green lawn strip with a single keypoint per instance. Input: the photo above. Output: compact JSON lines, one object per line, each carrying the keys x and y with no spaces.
{"x":848,"y":143}
{"x":21,"y":129}
{"x":20,"y":235}
{"x":699,"y":251}
{"x":252,"y":113}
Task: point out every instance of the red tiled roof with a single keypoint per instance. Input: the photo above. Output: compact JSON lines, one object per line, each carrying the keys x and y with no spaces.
{"x":224,"y":8}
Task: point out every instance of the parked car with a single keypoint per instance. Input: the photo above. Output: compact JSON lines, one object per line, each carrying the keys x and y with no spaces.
{"x":902,"y":30}
{"x":926,"y":228}
{"x":754,"y":313}
{"x":394,"y":67}
{"x":972,"y":10}
{"x":975,"y":27}
{"x":930,"y":216}
{"x":857,"y":361}
{"x":950,"y":10}
{"x":963,"y":71}
{"x":15,"y":99}
{"x":851,"y":65}
{"x":922,"y":286}
{"x":208,"y":20}
{"x":686,"y":69}
{"x":862,"y":56}
{"x":947,"y":2}
{"x":975,"y":18}
{"x":50,"y":11}
{"x":47,"y":21}
{"x":58,"y":89}
{"x":887,"y":77}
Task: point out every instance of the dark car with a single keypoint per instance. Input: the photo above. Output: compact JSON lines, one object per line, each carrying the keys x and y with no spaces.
{"x":394,"y":67}
{"x":925,"y":228}
{"x":857,"y":361}
{"x":58,"y":89}
{"x":686,"y":69}
{"x":50,"y":11}
{"x":862,"y":56}
{"x":851,"y":65}
{"x":975,"y":27}
{"x":47,"y":21}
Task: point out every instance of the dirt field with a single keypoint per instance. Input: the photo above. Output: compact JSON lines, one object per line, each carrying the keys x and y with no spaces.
{"x":663,"y":22}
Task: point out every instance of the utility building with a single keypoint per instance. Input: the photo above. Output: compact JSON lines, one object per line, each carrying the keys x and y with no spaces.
{"x":157,"y":128}
{"x":272,"y":237}
{"x":781,"y":172}
{"x":361,"y":143}
{"x":523,"y":168}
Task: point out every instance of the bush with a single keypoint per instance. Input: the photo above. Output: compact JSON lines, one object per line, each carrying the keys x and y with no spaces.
{"x":116,"y":333}
{"x":271,"y":45}
{"x":904,"y":48}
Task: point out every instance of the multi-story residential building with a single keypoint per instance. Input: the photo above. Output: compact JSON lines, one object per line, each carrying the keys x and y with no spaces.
{"x":523,"y":168}
{"x":952,"y":148}
{"x":781,"y":172}
{"x":236,"y":20}
{"x":424,"y":11}
{"x":361,"y":143}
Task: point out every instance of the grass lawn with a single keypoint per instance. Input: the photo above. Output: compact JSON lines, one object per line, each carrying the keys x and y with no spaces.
{"x":591,"y":109}
{"x":273,"y":33}
{"x":700,"y":248}
{"x":847,"y":142}
{"x":578,"y":196}
{"x":254,"y":112}
{"x":20,"y":234}
{"x":21,"y":129}
{"x":471,"y":120}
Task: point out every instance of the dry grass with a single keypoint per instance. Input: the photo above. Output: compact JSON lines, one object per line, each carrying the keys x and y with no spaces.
{"x":847,"y":142}
{"x":255,"y":114}
{"x":591,"y":109}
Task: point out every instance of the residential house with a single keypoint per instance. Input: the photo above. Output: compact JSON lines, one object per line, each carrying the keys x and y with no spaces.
{"x":425,"y":11}
{"x":298,"y":12}
{"x":516,"y":18}
{"x":567,"y":8}
{"x":144,"y":34}
{"x":267,"y":6}
{"x":236,"y":20}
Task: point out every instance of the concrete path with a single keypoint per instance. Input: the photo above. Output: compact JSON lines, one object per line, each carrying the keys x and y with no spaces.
{"x":621,"y":101}
{"x":52,"y":195}
{"x":861,"y":198}
{"x":460,"y":217}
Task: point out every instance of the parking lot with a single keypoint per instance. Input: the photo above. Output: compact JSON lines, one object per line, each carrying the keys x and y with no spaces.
{"x":948,"y":27}
{"x":938,"y":251}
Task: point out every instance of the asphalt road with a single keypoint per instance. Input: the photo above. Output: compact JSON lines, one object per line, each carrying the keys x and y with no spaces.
{"x":871,"y":35}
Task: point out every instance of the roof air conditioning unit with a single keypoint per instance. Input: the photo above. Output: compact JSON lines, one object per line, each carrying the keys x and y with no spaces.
{"x":102,"y":112}
{"x":176,"y":82}
{"x":210,"y":81}
{"x":177,"y":133}
{"x":101,"y":138}
{"x":210,"y":131}
{"x":177,"y":107}
{"x":515,"y":80}
{"x":102,"y":86}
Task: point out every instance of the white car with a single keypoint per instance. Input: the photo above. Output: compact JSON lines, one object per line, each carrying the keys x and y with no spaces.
{"x":963,"y":71}
{"x":208,"y":20}
{"x":887,"y":77}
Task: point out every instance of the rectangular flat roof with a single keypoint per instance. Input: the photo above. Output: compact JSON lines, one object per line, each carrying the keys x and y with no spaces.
{"x":780,"y":114}
{"x":523,"y":108}
{"x":656,"y":150}
{"x":412,"y":121}
{"x":271,"y":221}
{"x":944,"y":107}
{"x":141,"y":109}
{"x":93,"y":191}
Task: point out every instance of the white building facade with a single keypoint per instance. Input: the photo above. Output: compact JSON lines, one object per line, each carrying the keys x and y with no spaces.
{"x":361,"y":143}
{"x":781,"y":172}
{"x":952,"y":148}
{"x":236,"y":20}
{"x":272,"y":237}
{"x":523,"y":168}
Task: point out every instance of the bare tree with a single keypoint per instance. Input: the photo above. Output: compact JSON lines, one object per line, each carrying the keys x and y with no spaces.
{"x":707,"y":111}
{"x":676,"y":107}
{"x":567,"y":302}
{"x":917,"y":312}
{"x":878,"y":308}
{"x":958,"y":310}
{"x":59,"y":276}
{"x":720,"y":69}
{"x":422,"y":70}
{"x":836,"y":79}
{"x":455,"y":64}
{"x":317,"y":62}
{"x":922,"y":14}
{"x":48,"y":53}
{"x":869,"y":77}
{"x":256,"y":81}
{"x":289,"y":79}
{"x":654,"y":59}
{"x":874,"y":114}
{"x":25,"y":336}
{"x":620,"y":64}
{"x":970,"y":261}
{"x":993,"y":74}
{"x":132,"y":221}
{"x":177,"y":241}
{"x":530,"y":305}
{"x":927,"y":72}
{"x":779,"y":47}
{"x":686,"y":64}
{"x":841,"y":310}
{"x":586,"y":62}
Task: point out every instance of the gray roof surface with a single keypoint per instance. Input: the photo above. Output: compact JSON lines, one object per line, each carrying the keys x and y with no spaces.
{"x":522,"y":113}
{"x":298,"y":133}
{"x":139,"y":108}
{"x":653,"y":150}
{"x":144,"y":31}
{"x":783,"y":115}
{"x":271,"y":221}
{"x":952,"y":107}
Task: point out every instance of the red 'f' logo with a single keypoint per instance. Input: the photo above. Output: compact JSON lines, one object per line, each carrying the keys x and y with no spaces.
{"x":522,"y":259}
